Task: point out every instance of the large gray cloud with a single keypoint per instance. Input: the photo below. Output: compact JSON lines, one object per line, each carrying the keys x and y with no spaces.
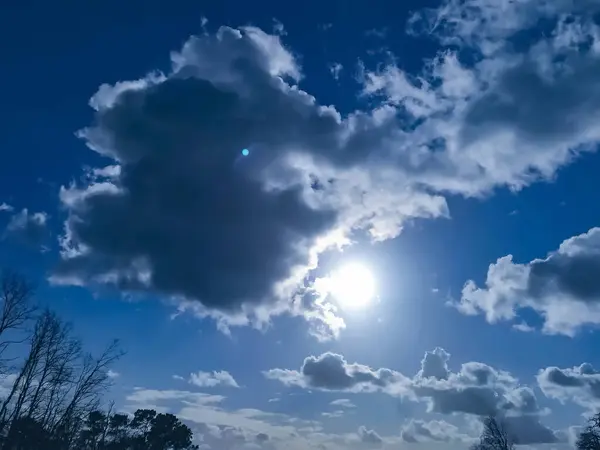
{"x":185,"y":207}
{"x":563,"y":287}
{"x":181,"y":212}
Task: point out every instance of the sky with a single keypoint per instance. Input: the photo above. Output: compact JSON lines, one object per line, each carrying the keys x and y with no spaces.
{"x":325,"y":225}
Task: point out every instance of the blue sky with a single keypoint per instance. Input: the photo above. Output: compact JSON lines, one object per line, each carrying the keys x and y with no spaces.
{"x":425,"y":140}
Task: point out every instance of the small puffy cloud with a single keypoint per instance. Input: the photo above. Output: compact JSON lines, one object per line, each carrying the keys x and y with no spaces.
{"x":435,"y":364}
{"x":343,"y":402}
{"x":562,"y":288}
{"x":6,"y":207}
{"x":29,"y":228}
{"x":262,"y":437}
{"x":213,"y":379}
{"x":330,"y":371}
{"x":433,"y":431}
{"x":580,"y":384}
{"x":336,"y":69}
{"x":369,"y":436}
{"x":112,"y":374}
{"x":333,"y":414}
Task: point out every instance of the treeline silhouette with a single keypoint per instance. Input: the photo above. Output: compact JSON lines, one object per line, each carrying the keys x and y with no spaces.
{"x":497,"y":436}
{"x":51,"y":389}
{"x":589,"y":438}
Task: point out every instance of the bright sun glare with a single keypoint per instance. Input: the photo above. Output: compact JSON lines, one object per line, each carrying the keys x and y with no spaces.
{"x":352,"y":286}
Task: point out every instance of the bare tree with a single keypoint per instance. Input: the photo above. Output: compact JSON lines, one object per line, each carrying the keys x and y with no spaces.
{"x":57,"y":388}
{"x":494,"y":436}
{"x":52,"y":353}
{"x":84,"y":397}
{"x":16,"y":310}
{"x":60,"y":352}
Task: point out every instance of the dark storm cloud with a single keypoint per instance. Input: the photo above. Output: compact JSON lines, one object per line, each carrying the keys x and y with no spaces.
{"x":181,"y":212}
{"x":187,"y":214}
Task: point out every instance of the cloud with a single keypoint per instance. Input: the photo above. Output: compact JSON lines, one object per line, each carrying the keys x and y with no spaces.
{"x":562,"y":288}
{"x":29,"y":228}
{"x":499,"y":118}
{"x":112,"y":374}
{"x":212,"y":379}
{"x":343,"y":402}
{"x":314,"y":177}
{"x":156,"y":398}
{"x":216,"y":426}
{"x":334,"y":414}
{"x":476,"y":389}
{"x":369,"y":436}
{"x":488,"y":26}
{"x":335,"y":69}
{"x":6,"y":383}
{"x":433,"y":431}
{"x":480,"y":390}
{"x":157,"y":224}
{"x":330,"y":371}
{"x":580,"y":384}
{"x":435,"y":364}
{"x":6,"y":207}
{"x":528,"y":430}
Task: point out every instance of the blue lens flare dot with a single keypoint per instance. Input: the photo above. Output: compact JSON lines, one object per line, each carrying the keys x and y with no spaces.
{"x":245,"y":152}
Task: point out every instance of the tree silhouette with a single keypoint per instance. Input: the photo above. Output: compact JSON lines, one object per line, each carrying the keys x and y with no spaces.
{"x":589,"y":439}
{"x":56,"y":392}
{"x":494,"y":436}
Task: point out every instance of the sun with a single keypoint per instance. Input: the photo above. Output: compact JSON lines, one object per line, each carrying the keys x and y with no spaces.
{"x":352,"y":286}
